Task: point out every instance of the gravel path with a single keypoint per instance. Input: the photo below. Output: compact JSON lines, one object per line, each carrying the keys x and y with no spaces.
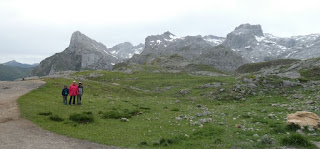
{"x":19,"y":133}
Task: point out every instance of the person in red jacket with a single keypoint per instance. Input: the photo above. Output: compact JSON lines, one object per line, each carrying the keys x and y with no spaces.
{"x":73,"y":92}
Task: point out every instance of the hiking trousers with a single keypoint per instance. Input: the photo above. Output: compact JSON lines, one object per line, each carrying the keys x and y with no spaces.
{"x":79,"y":98}
{"x":74,"y":100}
{"x":65,"y":99}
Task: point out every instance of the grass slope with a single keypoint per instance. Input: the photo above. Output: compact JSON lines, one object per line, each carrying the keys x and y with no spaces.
{"x":160,"y":114}
{"x":254,"y":67}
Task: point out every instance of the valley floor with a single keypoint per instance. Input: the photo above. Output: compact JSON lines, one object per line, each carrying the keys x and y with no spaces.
{"x":177,"y":110}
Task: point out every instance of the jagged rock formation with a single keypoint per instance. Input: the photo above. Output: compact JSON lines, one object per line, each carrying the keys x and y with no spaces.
{"x":256,"y":46}
{"x":243,"y":36}
{"x":126,"y":50}
{"x":214,"y":40}
{"x":191,"y":49}
{"x":82,"y":53}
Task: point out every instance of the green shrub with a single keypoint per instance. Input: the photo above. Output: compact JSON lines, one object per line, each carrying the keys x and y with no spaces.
{"x":156,"y":143}
{"x":292,"y":127}
{"x":296,"y":140}
{"x":82,"y":118}
{"x":45,"y":113}
{"x":56,"y":118}
{"x":175,"y":109}
{"x":143,"y":143}
{"x":116,"y":114}
{"x":166,"y":142}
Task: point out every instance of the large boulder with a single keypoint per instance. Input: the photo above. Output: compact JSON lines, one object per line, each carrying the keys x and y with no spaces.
{"x":303,"y":119}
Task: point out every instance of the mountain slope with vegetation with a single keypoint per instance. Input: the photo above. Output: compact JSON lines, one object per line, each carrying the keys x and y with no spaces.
{"x":177,"y":110}
{"x":9,"y":73}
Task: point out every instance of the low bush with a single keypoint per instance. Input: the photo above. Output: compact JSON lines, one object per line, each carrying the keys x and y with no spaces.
{"x":292,"y":127}
{"x":116,"y":114}
{"x":175,"y":109}
{"x":85,"y":117}
{"x":45,"y":113}
{"x":165,"y":142}
{"x":56,"y":118}
{"x":143,"y":143}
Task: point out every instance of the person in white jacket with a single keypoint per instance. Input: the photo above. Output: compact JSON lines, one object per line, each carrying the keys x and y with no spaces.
{"x":79,"y":97}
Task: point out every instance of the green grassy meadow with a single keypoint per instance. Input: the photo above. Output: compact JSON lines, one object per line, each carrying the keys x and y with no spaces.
{"x":160,"y":115}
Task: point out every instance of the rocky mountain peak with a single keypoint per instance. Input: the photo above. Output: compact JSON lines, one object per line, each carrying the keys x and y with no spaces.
{"x":11,"y":62}
{"x":77,"y":37}
{"x":243,"y":36}
{"x":168,"y":35}
{"x":248,"y":28}
{"x":126,"y":50}
{"x":79,"y":40}
{"x":125,"y":44}
{"x":82,"y":53}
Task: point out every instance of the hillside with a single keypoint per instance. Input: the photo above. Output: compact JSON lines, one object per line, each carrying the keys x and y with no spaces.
{"x":10,"y":73}
{"x":255,"y":67}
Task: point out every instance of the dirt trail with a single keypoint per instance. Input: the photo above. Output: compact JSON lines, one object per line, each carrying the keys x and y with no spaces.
{"x":19,"y":133}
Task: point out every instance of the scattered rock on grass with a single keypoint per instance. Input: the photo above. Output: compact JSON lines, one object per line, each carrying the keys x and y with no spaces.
{"x":124,"y":120}
{"x":310,"y":102}
{"x":184,"y":91}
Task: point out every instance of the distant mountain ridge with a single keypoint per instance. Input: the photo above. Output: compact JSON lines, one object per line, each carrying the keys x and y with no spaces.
{"x":256,"y":46}
{"x":11,"y":73}
{"x":245,"y":44}
{"x":18,"y":64}
{"x":192,"y":49}
{"x":13,"y":70}
{"x":125,"y":50}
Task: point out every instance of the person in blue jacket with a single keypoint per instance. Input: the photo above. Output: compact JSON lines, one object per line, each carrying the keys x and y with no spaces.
{"x":65,"y":93}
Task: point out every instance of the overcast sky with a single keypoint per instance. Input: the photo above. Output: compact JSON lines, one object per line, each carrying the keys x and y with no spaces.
{"x":31,"y":30}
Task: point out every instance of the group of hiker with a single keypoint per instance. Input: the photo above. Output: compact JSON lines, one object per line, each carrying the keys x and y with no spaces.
{"x":73,"y":91}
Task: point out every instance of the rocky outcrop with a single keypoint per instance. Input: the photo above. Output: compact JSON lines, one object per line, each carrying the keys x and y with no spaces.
{"x":82,"y":53}
{"x":221,"y":58}
{"x":214,"y":40}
